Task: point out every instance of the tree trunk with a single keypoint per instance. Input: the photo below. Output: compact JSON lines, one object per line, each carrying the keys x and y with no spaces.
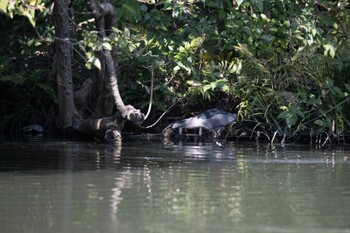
{"x":104,"y":15}
{"x":63,"y":65}
{"x":109,"y":127}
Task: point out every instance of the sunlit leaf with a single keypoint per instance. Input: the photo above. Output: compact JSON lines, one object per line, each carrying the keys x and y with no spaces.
{"x":180,"y":64}
{"x":196,"y":42}
{"x":3,"y":5}
{"x":313,"y":31}
{"x":176,"y":69}
{"x":225,"y":88}
{"x":131,"y":47}
{"x":126,"y":32}
{"x":239,"y":2}
{"x":207,"y":87}
{"x":329,"y":49}
{"x":30,"y":15}
{"x":32,"y":2}
{"x":194,"y":83}
{"x":263,"y":16}
{"x":106,"y":46}
{"x":96,"y":62}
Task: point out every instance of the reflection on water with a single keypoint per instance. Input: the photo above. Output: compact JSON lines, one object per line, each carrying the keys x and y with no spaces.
{"x":147,"y":186}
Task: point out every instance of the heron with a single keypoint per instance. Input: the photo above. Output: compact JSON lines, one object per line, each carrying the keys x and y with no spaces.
{"x":211,"y":120}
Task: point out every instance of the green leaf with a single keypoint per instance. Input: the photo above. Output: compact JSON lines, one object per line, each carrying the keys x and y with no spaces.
{"x":106,"y":46}
{"x":30,"y":14}
{"x":301,"y":114}
{"x":225,"y":88}
{"x":207,"y":87}
{"x":259,"y":4}
{"x":247,"y":30}
{"x":329,"y":49}
{"x":143,"y":8}
{"x":283,"y":115}
{"x":131,"y":47}
{"x":196,"y":42}
{"x":320,"y":122}
{"x":96,"y":62}
{"x":239,"y":2}
{"x":3,"y":5}
{"x":347,"y":86}
{"x":268,"y":38}
{"x":16,"y":79}
{"x":37,"y":43}
{"x":291,"y":120}
{"x":264,"y":17}
{"x":126,"y":32}
{"x":329,"y":83}
{"x":176,"y":69}
{"x":184,"y":67}
{"x":194,"y":83}
{"x":338,"y":91}
{"x":313,"y":31}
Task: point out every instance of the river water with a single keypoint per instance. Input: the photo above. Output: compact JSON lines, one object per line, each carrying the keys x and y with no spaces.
{"x":149,"y":186}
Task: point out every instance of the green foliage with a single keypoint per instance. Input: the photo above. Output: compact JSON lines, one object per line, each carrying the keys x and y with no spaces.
{"x":27,"y":8}
{"x":24,"y":95}
{"x":129,"y":10}
{"x":283,"y":65}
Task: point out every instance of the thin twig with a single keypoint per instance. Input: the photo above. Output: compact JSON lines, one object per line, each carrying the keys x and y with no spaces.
{"x":348,"y":98}
{"x":150,"y":126}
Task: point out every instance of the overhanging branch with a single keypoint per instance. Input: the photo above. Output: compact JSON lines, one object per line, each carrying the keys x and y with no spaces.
{"x":104,"y":14}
